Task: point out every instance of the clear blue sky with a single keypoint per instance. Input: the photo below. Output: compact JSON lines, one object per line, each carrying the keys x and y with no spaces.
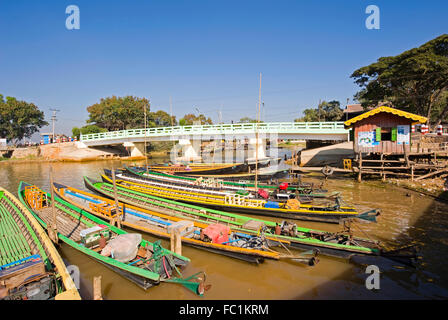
{"x":205,"y":54}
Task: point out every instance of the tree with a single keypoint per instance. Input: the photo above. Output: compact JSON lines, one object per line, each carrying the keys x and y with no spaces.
{"x":92,"y":128}
{"x":190,"y":119}
{"x":415,"y":80}
{"x":119,"y":113}
{"x":247,"y":120}
{"x":162,"y":119}
{"x":19,"y":119}
{"x":325,"y":111}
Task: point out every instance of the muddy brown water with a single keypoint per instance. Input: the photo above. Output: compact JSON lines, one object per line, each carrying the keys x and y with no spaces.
{"x":406,"y":217}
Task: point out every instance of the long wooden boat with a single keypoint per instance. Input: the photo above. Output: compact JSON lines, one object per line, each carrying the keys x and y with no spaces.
{"x":30,"y":266}
{"x":201,"y":169}
{"x":235,"y":244}
{"x":82,"y":231}
{"x":217,"y":187}
{"x":340,"y":244}
{"x":220,"y":184}
{"x":243,"y":204}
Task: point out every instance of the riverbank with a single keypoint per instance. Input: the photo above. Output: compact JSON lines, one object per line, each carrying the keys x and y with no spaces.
{"x":65,"y":152}
{"x":435,"y":188}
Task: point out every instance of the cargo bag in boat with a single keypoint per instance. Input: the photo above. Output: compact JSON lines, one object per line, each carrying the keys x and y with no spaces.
{"x":219,"y":233}
{"x":293,"y":204}
{"x":124,"y":247}
{"x":263,"y":193}
{"x":272,"y":204}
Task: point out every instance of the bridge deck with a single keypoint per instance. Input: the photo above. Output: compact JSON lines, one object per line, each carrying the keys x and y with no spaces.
{"x":322,"y":130}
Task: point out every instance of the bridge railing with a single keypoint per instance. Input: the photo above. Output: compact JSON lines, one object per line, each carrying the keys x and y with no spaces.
{"x":269,"y":127}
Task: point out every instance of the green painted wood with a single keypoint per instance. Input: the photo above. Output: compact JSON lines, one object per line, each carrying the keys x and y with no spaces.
{"x":393,"y":134}
{"x":95,"y":220}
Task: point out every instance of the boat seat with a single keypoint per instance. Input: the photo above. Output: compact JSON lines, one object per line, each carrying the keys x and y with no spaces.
{"x":253,"y":225}
{"x":183,"y":226}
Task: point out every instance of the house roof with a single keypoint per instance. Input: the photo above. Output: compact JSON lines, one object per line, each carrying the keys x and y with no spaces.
{"x":353,"y":108}
{"x":408,"y":115}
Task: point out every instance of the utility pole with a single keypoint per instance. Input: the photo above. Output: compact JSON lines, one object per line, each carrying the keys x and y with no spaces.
{"x":318,"y":110}
{"x":53,"y":119}
{"x":256,"y":137}
{"x":171,"y":118}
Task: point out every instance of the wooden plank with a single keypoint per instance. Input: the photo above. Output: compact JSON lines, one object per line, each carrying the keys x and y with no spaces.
{"x":431,"y":174}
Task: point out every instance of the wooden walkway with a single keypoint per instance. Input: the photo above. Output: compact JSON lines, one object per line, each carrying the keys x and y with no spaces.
{"x":66,"y":225}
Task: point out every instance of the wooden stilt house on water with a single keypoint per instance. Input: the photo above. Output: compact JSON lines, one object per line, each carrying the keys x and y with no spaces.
{"x":382,"y":141}
{"x":383,"y":130}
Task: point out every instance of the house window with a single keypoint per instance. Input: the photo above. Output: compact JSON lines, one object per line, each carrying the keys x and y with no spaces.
{"x":386,"y":134}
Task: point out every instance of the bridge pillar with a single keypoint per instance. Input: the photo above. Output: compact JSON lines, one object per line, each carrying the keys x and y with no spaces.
{"x":137,"y":148}
{"x":190,"y":151}
{"x":253,"y":146}
{"x":80,"y":145}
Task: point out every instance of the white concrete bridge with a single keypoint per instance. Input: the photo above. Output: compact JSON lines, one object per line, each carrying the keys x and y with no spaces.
{"x":189,"y":137}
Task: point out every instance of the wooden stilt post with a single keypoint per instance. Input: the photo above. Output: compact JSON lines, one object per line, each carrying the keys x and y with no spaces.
{"x":54,"y":227}
{"x":360,"y":167}
{"x":97,"y":288}
{"x":117,"y":216}
{"x":412,"y":172}
{"x":176,"y":241}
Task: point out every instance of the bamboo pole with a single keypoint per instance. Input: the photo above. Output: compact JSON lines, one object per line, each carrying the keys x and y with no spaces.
{"x":117,"y":216}
{"x":146,"y":156}
{"x":360,"y":167}
{"x":54,"y":227}
{"x":97,"y":288}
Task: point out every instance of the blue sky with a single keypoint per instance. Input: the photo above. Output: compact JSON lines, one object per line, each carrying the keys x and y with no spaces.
{"x":205,"y":54}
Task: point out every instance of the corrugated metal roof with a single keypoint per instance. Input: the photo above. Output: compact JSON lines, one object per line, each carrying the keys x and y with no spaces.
{"x":397,"y":112}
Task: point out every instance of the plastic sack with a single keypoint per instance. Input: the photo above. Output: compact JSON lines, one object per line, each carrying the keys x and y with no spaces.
{"x":219,"y":233}
{"x":293,"y":204}
{"x":263,"y":193}
{"x":283,"y":186}
{"x":124,"y":247}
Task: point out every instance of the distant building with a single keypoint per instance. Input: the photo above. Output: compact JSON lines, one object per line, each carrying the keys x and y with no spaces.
{"x":48,"y":138}
{"x":383,"y":130}
{"x":3,"y":144}
{"x":353,"y":110}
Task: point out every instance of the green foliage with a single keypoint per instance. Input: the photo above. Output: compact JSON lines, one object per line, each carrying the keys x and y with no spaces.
{"x":19,"y":119}
{"x":76,"y":132}
{"x":415,"y":80}
{"x":162,"y":119}
{"x":190,"y":119}
{"x":119,"y":113}
{"x":247,"y":120}
{"x":326,"y":111}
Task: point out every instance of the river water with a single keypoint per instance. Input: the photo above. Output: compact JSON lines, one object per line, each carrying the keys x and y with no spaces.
{"x":407,"y":217}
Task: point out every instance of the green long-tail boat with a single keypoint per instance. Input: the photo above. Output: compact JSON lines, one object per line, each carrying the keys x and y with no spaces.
{"x":30,"y":266}
{"x":151,"y":264}
{"x":339,"y":244}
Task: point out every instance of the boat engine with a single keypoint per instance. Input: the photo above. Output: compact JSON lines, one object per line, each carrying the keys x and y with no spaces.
{"x":43,"y":289}
{"x":288,"y":228}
